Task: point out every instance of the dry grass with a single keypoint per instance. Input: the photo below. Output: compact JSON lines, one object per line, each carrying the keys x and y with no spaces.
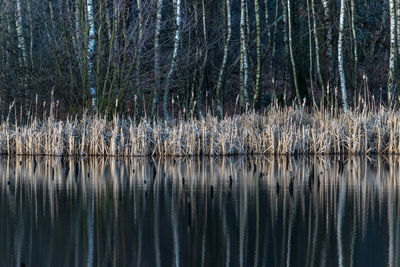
{"x":277,"y":131}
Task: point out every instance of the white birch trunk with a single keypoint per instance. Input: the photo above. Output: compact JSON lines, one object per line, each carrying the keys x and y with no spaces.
{"x":398,"y":27}
{"x":353,"y":30}
{"x":391,"y":76}
{"x":200,"y":85}
{"x":90,"y":52}
{"x":157,"y":69}
{"x":174,"y":57}
{"x":242,"y":32}
{"x":22,"y":48}
{"x":30,"y":35}
{"x":21,"y":38}
{"x":267,"y":23}
{"x":224,"y":60}
{"x":243,"y":58}
{"x":257,"y":94}
{"x":340,"y":55}
{"x":327,"y":15}
{"x":310,"y":47}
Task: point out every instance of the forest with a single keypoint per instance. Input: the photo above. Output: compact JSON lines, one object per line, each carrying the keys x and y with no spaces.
{"x":163,"y":58}
{"x":200,"y":133}
{"x":198,"y":77}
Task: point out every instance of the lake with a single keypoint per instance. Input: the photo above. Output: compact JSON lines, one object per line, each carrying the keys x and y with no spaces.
{"x":227,"y":211}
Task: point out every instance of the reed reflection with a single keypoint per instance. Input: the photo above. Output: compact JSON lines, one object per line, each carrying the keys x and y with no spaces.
{"x":245,"y":211}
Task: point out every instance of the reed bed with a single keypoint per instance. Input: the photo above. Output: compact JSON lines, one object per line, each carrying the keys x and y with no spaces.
{"x":281,"y":131}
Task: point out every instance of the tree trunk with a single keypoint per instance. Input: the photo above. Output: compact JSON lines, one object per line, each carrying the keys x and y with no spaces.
{"x":174,"y":58}
{"x":274,"y":47}
{"x":199,"y":93}
{"x":340,"y":55}
{"x":310,"y":51}
{"x":398,"y":28}
{"x":90,"y":52}
{"x":353,"y":30}
{"x":138,"y":94}
{"x":30,"y":36}
{"x":257,"y":95}
{"x":22,"y":48}
{"x":296,"y":86}
{"x":316,"y":41}
{"x":243,"y":59}
{"x":157,"y":68}
{"x":328,"y":25}
{"x":392,"y":70}
{"x":267,"y":22}
{"x":286,"y":78}
{"x":224,"y":60}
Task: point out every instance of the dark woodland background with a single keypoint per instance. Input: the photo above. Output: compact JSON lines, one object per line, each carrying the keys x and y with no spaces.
{"x":161,"y":58}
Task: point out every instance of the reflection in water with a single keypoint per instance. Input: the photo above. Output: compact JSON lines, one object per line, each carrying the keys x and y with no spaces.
{"x":257,"y":211}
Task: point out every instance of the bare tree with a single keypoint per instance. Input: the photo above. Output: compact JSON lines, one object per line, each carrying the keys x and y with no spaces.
{"x":257,"y":94}
{"x":398,"y":26}
{"x":157,"y":68}
{"x":354,"y":35}
{"x":90,"y":50}
{"x":22,"y":47}
{"x":316,"y":40}
{"x":244,"y":98}
{"x":139,"y":93}
{"x":296,"y":86}
{"x":329,"y":37}
{"x":224,"y":60}
{"x":174,"y":57}
{"x":392,"y":70}
{"x":340,"y":55}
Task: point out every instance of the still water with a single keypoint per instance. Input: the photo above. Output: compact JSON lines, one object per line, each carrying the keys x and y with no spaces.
{"x":243,"y":211}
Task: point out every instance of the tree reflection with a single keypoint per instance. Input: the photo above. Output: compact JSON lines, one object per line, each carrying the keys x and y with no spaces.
{"x":244,"y":211}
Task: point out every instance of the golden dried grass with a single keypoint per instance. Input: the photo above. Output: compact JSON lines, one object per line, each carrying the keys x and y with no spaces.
{"x":277,"y":131}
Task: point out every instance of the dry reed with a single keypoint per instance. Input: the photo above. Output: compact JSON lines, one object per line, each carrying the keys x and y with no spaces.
{"x":278,"y":131}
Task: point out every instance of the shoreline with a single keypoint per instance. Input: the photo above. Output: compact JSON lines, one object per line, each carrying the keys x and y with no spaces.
{"x":278,"y":131}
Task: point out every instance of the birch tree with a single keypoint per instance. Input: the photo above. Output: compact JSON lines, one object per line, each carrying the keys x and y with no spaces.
{"x":20,"y":32}
{"x":296,"y":86}
{"x":267,"y":22}
{"x":317,"y":52}
{"x":329,"y":37}
{"x":138,"y":58}
{"x":244,"y":99}
{"x":100,"y":51}
{"x":157,"y":68}
{"x":285,"y":47}
{"x":340,"y":54}
{"x":391,"y":76}
{"x":78,"y":36}
{"x":30,"y":35}
{"x":205,"y":59}
{"x":174,"y":57}
{"x":354,"y":35}
{"x":398,"y":27}
{"x":274,"y":42}
{"x":22,"y":48}
{"x":224,"y":60}
{"x":257,"y":94}
{"x":90,"y":52}
{"x":310,"y":51}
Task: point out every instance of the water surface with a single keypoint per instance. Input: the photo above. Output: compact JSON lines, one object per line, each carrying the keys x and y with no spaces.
{"x":243,"y":211}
